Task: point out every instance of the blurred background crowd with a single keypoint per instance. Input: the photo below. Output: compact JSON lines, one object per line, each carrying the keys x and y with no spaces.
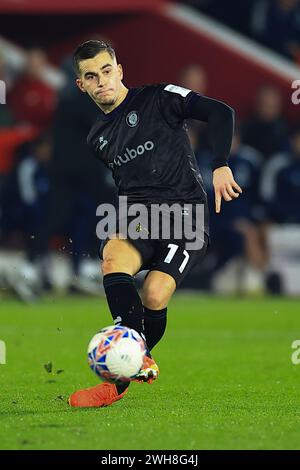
{"x":273,"y":23}
{"x":50,"y":185}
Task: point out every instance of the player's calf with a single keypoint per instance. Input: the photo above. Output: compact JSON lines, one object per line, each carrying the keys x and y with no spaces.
{"x":157,"y":290}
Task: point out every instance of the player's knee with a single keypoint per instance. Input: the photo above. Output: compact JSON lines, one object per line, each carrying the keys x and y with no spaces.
{"x":114,"y":264}
{"x":119,"y":256}
{"x":154,"y":298}
{"x":109,"y":265}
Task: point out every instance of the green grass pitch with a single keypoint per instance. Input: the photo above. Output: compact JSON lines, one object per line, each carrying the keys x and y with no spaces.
{"x":227,"y":380}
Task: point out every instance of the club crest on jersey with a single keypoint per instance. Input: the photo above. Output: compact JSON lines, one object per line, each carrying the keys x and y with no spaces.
{"x":132,"y":119}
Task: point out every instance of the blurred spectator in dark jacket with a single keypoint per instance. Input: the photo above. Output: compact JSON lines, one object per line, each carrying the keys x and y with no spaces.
{"x":276,"y":23}
{"x":266,"y":130}
{"x":26,"y":194}
{"x":31,"y":99}
{"x":34,"y":184}
{"x":281,"y":184}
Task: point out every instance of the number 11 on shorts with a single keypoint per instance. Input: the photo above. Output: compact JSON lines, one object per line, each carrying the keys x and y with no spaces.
{"x":172,"y":250}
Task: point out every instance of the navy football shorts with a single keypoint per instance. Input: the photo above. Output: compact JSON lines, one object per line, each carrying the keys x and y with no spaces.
{"x":169,"y":255}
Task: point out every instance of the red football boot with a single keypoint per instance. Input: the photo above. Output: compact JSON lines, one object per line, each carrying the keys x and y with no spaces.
{"x":104,"y":394}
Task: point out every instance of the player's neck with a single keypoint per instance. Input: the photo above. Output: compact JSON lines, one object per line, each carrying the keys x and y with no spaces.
{"x":120,"y":99}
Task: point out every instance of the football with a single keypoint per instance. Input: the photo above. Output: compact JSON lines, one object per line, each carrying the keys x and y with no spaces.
{"x":116,"y":354}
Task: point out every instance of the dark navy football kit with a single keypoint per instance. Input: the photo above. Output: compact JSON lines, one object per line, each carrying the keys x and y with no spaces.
{"x":144,"y":141}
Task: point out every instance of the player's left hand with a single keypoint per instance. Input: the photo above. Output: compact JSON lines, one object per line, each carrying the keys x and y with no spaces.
{"x":225,"y":186}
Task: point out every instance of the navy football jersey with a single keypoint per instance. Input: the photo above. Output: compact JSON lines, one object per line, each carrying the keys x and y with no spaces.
{"x":145,"y":143}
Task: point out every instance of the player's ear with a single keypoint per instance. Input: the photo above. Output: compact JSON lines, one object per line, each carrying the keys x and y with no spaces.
{"x":80,"y":85}
{"x":120,"y":71}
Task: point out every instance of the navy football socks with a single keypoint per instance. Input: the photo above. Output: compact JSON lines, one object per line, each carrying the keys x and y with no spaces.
{"x":155,"y":322}
{"x":124,"y":301}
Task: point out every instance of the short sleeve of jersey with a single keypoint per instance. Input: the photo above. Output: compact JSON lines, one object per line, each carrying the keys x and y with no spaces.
{"x":173,"y":100}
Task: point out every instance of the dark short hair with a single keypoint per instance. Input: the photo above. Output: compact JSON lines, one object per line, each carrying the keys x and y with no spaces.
{"x":88,"y":50}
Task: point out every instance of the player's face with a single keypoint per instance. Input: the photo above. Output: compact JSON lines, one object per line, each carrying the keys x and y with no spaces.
{"x":101,"y":77}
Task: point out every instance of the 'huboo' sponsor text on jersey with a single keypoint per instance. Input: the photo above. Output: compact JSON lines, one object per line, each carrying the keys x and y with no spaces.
{"x":131,"y":154}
